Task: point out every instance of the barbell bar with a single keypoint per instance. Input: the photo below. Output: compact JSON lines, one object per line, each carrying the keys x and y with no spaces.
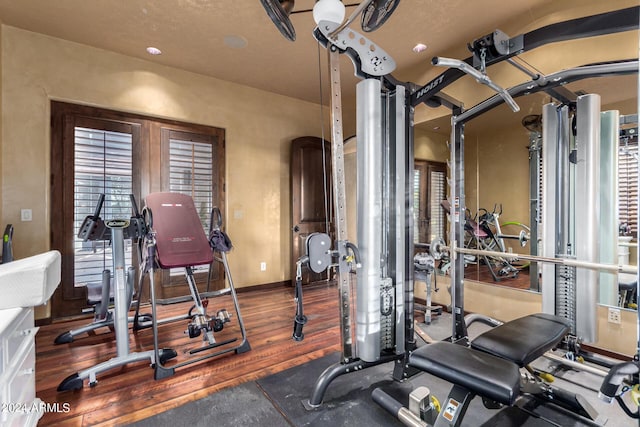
{"x":522,"y":237}
{"x":437,"y":247}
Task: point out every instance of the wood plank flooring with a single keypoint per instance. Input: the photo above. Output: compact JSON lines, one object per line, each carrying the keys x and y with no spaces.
{"x":127,"y":394}
{"x":481,"y":273}
{"x":130,"y":393}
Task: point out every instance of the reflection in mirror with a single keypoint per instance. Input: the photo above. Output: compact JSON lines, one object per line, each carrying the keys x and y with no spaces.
{"x":503,"y":167}
{"x":503,"y":186}
{"x":502,"y":176}
{"x":627,"y":186}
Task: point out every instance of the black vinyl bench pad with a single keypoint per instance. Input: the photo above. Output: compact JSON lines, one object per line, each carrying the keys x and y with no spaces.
{"x":524,"y":339}
{"x":481,"y":373}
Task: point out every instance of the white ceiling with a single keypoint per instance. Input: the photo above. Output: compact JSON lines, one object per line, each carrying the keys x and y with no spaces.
{"x":191,"y":34}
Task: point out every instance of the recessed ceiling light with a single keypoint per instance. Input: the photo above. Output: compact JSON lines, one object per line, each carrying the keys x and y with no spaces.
{"x":420,"y":47}
{"x":235,"y":42}
{"x":153,"y":50}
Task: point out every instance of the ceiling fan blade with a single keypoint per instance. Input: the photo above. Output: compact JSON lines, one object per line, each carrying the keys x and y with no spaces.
{"x":278,"y":11}
{"x":377,"y":14}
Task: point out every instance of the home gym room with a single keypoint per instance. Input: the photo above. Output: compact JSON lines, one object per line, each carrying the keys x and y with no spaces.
{"x":302,"y":213}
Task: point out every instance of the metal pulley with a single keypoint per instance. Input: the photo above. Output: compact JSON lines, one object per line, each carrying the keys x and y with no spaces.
{"x":437,"y":248}
{"x":319,"y":252}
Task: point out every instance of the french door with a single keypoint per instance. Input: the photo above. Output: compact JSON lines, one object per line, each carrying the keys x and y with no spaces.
{"x":96,"y":151}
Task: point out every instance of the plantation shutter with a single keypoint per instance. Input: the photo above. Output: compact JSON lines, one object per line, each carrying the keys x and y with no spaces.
{"x":416,"y":206}
{"x":102,"y":164}
{"x":437,"y":195}
{"x":628,"y":186}
{"x":191,"y":172}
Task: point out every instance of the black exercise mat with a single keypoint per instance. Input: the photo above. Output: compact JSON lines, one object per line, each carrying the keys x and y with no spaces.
{"x":244,"y":405}
{"x":277,"y":401}
{"x":347,"y":401}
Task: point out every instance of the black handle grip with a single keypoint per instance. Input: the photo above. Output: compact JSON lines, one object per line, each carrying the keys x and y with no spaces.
{"x":96,"y":213}
{"x":300,"y":319}
{"x":216,"y":219}
{"x":147,"y":217}
{"x":7,"y":244}
{"x":298,"y":324}
{"x":390,"y":404}
{"x":134,"y":206}
{"x":8,"y":232}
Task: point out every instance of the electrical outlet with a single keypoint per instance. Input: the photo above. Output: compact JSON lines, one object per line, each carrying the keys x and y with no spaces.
{"x":614,"y":315}
{"x":263,"y":266}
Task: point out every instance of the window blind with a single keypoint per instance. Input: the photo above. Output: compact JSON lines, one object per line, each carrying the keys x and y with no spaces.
{"x":628,"y":186}
{"x":416,"y":206}
{"x":191,"y":172}
{"x":102,"y":164}
{"x":438,"y":194}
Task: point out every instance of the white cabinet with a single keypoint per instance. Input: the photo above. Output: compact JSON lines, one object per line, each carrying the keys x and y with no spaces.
{"x":23,"y":283}
{"x":20,"y":407}
{"x":31,"y":281}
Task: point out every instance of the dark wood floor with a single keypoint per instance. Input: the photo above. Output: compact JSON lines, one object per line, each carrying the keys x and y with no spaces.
{"x":480,"y":272}
{"x":128,"y":394}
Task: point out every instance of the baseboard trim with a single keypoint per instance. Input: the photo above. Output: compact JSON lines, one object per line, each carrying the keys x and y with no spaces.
{"x":264,"y":286}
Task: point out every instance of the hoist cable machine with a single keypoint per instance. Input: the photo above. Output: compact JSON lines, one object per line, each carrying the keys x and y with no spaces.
{"x":383,"y":257}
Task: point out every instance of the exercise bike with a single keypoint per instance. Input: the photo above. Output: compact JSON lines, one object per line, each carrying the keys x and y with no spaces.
{"x":101,"y":297}
{"x":114,"y":230}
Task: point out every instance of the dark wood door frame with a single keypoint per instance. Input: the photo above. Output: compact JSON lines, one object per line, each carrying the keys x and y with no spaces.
{"x":310,"y":202}
{"x":69,"y":300}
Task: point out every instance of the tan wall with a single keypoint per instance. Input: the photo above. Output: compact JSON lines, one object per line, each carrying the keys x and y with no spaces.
{"x":506,"y":304}
{"x":497,"y":171}
{"x":259,"y":127}
{"x":430,"y":146}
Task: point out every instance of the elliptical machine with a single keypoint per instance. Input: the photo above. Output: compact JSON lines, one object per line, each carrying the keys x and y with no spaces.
{"x":115,"y":230}
{"x":93,"y":228}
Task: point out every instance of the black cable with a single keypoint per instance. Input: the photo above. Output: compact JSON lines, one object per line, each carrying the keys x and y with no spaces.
{"x":626,"y":409}
{"x":300,"y":319}
{"x":324,"y":162}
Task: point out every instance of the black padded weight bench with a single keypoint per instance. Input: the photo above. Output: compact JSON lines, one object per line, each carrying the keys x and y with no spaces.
{"x":471,"y":372}
{"x":523,"y":340}
{"x":490,"y":368}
